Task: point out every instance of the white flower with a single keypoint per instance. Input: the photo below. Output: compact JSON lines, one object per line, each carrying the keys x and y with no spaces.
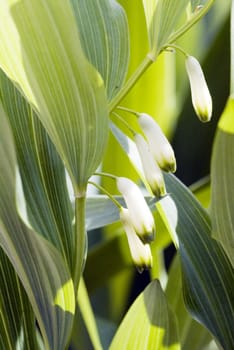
{"x":139,"y":212}
{"x":159,"y":145}
{"x":140,"y":252}
{"x":151,"y":169}
{"x":201,"y":98}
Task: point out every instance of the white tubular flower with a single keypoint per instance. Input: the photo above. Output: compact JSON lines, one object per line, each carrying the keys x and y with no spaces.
{"x":159,"y":145}
{"x":201,"y":98}
{"x":139,"y":212}
{"x":153,"y":173}
{"x":140,"y":252}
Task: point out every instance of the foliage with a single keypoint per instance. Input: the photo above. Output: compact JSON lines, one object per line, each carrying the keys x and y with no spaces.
{"x":90,"y":93}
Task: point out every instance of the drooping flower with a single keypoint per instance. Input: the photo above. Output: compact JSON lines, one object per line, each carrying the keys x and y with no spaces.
{"x":140,"y":252}
{"x":139,"y":212}
{"x":152,"y":171}
{"x":201,"y":98}
{"x":159,"y":145}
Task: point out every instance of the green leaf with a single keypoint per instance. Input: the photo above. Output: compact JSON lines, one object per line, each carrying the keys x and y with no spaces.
{"x":40,"y":50}
{"x":104,"y":35}
{"x":17,"y":321}
{"x":164,"y":18}
{"x":161,"y":18}
{"x":39,"y":266}
{"x":208,"y":276}
{"x":193,"y":336}
{"x":42,"y":173}
{"x":149,"y":323}
{"x":222,"y":169}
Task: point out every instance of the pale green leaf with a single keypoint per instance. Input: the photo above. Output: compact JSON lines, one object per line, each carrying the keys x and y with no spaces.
{"x":40,"y":50}
{"x":149,"y":323}
{"x":104,"y":34}
{"x":222,"y":170}
{"x":208,"y":276}
{"x":39,"y":266}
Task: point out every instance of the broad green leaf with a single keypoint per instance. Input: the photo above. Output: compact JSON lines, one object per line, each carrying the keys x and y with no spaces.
{"x":149,"y":323}
{"x":42,"y":173}
{"x":208,"y":276}
{"x":38,"y":264}
{"x":164,"y":18}
{"x":40,"y":50}
{"x":222,"y":169}
{"x":17,"y":321}
{"x":192,"y":335}
{"x":104,"y":34}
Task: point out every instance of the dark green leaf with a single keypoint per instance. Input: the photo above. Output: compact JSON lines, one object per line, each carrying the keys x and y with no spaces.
{"x":208,"y":276}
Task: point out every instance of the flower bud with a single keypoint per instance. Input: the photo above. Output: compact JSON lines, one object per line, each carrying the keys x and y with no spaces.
{"x":140,"y":252}
{"x":139,"y":212}
{"x":201,"y":98}
{"x":159,"y":145}
{"x":153,"y":173}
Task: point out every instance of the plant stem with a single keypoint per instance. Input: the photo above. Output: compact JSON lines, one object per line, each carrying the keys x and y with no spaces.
{"x":123,"y":121}
{"x":176,"y":47}
{"x":148,"y":60}
{"x":80,"y":240}
{"x":232,"y":50}
{"x":102,"y":189}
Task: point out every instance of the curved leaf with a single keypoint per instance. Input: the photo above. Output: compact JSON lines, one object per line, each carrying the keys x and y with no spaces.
{"x":42,"y":173}
{"x":149,"y":323}
{"x":40,"y":50}
{"x":222,"y":169}
{"x":39,"y":266}
{"x":103,"y":30}
{"x":208,"y":276}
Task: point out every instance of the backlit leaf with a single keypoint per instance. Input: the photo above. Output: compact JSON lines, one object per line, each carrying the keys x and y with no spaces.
{"x":148,"y":324}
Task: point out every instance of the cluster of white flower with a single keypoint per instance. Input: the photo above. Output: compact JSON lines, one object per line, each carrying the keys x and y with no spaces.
{"x":156,"y":155}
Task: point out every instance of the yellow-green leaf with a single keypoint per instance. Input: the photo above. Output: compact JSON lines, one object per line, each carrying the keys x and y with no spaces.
{"x":149,"y":323}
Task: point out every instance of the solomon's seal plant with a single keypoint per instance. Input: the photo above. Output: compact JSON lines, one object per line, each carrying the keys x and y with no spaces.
{"x":88,"y":189}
